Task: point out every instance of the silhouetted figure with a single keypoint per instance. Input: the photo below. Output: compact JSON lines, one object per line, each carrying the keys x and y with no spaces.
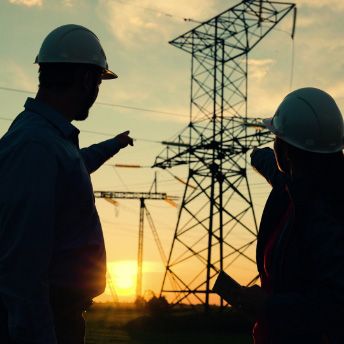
{"x":300,"y":248}
{"x":52,"y":254}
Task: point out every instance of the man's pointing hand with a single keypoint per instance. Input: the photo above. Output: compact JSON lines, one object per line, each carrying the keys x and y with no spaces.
{"x":124,"y":139}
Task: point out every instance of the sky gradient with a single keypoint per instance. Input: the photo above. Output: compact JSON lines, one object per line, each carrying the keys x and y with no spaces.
{"x":154,"y":75}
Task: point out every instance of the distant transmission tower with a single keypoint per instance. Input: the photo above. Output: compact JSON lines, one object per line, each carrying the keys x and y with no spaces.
{"x":217,"y":226}
{"x":112,"y":196}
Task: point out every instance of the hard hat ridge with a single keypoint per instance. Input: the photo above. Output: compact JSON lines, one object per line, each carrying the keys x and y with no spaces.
{"x":73,"y":43}
{"x":309,"y":119}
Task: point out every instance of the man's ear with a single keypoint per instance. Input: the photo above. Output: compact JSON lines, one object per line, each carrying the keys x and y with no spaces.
{"x":87,"y":81}
{"x":282,"y":155}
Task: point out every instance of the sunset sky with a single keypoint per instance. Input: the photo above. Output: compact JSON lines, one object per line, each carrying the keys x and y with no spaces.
{"x":153,"y":75}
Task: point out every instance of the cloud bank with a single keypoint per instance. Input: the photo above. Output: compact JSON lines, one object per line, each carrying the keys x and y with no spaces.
{"x":27,"y":3}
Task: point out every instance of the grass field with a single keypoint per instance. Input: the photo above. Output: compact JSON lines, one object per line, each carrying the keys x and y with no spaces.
{"x":108,"y":324}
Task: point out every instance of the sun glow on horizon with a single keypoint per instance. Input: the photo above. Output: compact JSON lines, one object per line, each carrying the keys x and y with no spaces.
{"x":123,"y":274}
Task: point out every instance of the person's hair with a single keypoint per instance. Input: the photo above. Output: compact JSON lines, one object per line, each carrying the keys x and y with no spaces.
{"x":327,"y":172}
{"x":320,"y":164}
{"x":59,"y":77}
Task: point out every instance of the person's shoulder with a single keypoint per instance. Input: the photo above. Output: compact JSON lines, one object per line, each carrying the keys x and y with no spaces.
{"x":30,"y":127}
{"x":323,"y":221}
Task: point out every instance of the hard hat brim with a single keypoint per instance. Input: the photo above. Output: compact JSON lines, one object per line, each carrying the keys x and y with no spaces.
{"x":267,"y":123}
{"x":108,"y":75}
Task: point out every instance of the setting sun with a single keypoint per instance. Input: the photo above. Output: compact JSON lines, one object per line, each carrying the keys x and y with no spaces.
{"x":121,"y":280}
{"x":123,"y":275}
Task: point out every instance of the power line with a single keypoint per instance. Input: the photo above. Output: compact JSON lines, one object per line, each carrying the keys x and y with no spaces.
{"x":121,"y":179}
{"x":97,"y":133}
{"x":16,"y":90}
{"x":292,"y":67}
{"x":111,"y":135}
{"x":169,"y":15}
{"x":167,"y":181}
{"x":143,"y":109}
{"x":6,"y":119}
{"x":101,"y":133}
{"x":136,"y":108}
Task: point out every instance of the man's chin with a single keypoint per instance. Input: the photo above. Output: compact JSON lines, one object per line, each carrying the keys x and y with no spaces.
{"x":81,"y":116}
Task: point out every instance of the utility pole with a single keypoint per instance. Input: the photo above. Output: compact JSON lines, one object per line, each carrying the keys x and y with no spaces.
{"x":142,"y":197}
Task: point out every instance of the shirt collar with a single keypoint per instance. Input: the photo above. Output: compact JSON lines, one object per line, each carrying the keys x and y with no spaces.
{"x":67,"y":129}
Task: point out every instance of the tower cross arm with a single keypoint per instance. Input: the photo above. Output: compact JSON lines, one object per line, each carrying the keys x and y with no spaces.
{"x":251,"y":18}
{"x":133,"y":195}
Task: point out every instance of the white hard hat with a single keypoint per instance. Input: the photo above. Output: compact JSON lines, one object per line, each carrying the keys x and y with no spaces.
{"x":74,"y":44}
{"x":309,"y":119}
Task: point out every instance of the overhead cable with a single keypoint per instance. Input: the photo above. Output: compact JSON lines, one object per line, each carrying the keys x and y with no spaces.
{"x":97,"y":133}
{"x":158,"y":11}
{"x":9,"y":89}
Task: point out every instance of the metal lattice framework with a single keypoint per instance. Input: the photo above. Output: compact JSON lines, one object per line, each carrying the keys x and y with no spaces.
{"x":217,"y":226}
{"x":112,"y":196}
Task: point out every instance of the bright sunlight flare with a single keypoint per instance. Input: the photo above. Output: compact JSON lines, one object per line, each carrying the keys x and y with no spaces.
{"x":123,"y":274}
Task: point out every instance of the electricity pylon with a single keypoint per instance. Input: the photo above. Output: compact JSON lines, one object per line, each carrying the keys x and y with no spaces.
{"x":112,"y":288}
{"x":217,"y":226}
{"x":142,"y":196}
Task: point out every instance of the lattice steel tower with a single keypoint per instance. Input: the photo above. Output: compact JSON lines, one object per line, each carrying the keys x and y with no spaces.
{"x":217,"y":227}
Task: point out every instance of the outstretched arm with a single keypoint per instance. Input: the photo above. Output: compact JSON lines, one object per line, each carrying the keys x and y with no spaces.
{"x":94,"y":156}
{"x":264,"y":162}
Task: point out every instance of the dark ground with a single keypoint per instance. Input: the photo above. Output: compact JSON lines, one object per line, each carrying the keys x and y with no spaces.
{"x":125,"y":324}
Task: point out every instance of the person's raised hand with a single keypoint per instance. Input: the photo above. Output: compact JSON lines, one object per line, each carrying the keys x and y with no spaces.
{"x":253,"y":300}
{"x":253,"y":151}
{"x":124,"y":139}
